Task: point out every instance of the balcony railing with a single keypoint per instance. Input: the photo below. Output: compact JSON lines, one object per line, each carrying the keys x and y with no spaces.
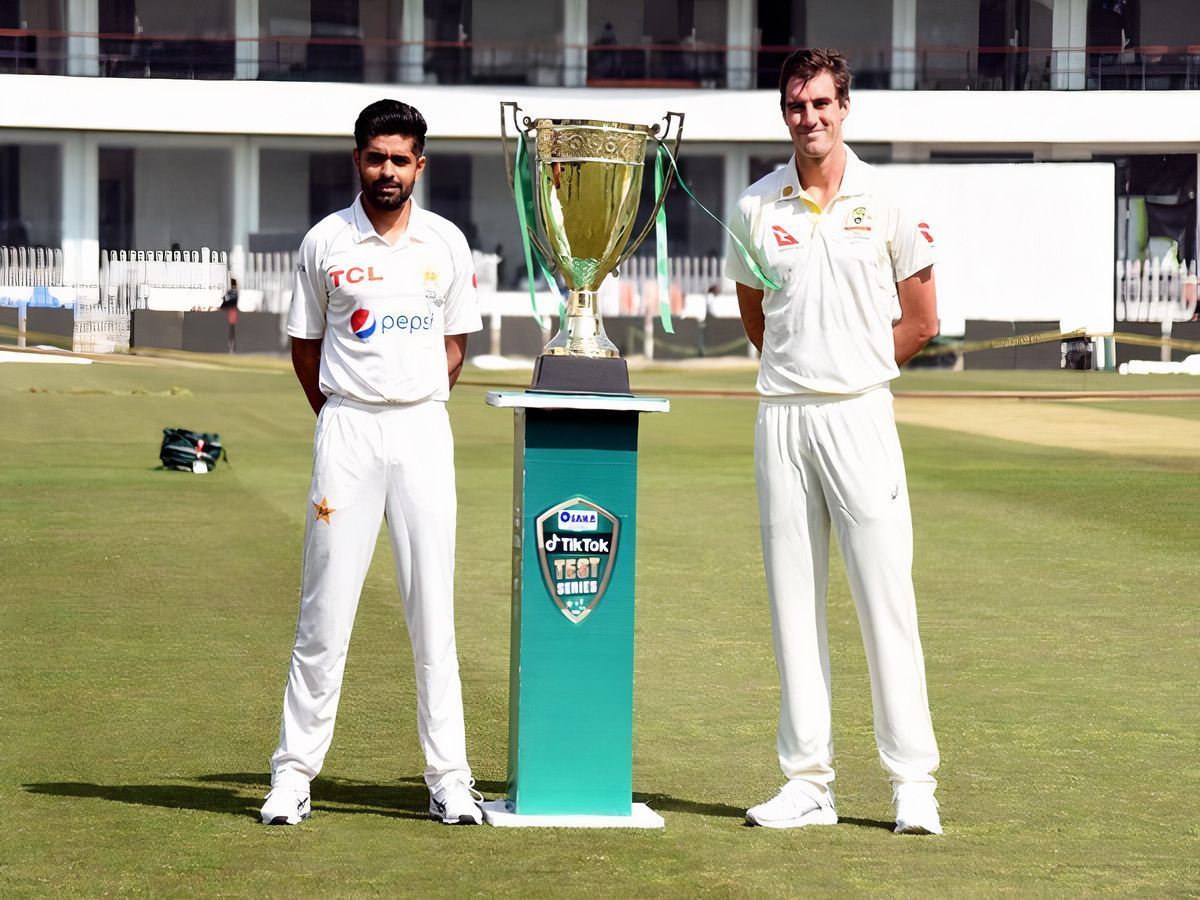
{"x":373,"y":60}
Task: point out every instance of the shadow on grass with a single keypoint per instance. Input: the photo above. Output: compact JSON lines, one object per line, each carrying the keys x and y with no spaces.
{"x":226,"y":794}
{"x":663,"y":803}
{"x":407,"y":798}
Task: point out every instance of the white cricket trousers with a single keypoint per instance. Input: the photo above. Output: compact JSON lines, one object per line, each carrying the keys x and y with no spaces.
{"x":820,"y":459}
{"x":367,"y":461}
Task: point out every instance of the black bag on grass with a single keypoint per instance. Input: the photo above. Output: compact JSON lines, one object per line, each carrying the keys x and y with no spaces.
{"x":187,"y":450}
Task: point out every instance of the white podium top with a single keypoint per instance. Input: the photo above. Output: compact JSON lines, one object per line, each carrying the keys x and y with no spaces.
{"x":536,"y":400}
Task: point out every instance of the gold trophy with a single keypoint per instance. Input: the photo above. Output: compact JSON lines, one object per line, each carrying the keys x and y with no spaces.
{"x":586,"y":185}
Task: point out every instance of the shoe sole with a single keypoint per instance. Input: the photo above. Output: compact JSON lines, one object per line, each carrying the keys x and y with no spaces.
{"x":461,"y":820}
{"x":916,"y":829}
{"x":285,"y":820}
{"x":795,"y":823}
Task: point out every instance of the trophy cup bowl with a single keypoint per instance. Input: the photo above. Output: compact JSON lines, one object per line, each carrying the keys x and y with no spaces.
{"x":587,"y":181}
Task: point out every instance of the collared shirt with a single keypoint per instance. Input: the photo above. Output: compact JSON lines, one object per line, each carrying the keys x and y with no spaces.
{"x":829,"y":330}
{"x":384,"y":310}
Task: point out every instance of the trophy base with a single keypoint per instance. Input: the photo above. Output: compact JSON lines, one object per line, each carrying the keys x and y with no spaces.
{"x":558,"y":374}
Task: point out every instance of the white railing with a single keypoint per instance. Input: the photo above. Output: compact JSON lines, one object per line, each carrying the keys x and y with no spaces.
{"x":31,"y":266}
{"x":164,"y":279}
{"x":1155,"y":291}
{"x":266,"y":284}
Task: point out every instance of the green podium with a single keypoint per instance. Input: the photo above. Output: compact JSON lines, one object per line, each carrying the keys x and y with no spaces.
{"x":570,"y":731}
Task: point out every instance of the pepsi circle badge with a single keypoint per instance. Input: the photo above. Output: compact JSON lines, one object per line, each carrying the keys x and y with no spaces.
{"x":362,"y":323}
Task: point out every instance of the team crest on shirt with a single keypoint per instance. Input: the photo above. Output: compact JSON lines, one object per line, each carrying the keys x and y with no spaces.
{"x":433,"y":296}
{"x":859,"y":219}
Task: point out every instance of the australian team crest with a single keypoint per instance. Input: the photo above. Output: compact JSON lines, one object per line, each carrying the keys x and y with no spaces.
{"x":577,"y":545}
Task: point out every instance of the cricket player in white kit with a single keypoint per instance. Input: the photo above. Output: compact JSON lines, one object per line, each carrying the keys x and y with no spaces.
{"x":826,"y":453}
{"x":384,"y":298}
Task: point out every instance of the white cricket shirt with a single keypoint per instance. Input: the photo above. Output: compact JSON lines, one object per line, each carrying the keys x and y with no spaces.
{"x":384,"y":310}
{"x":829,"y":330}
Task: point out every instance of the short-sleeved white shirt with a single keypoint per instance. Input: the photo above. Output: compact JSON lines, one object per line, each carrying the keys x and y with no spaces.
{"x":829,"y":330}
{"x":384,"y":310}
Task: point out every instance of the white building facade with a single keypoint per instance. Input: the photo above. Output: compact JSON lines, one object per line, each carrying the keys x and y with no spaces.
{"x":151,"y":124}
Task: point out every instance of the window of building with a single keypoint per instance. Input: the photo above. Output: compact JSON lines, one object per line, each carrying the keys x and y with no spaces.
{"x":296,"y":189}
{"x":30,"y":195}
{"x":676,"y":42}
{"x":167,"y":38}
{"x":1143,"y":44}
{"x":860,"y":29}
{"x":39,"y":52}
{"x":159,"y":198}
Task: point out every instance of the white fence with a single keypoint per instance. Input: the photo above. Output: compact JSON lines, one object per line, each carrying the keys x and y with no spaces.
{"x":1154,"y":291}
{"x":164,"y":279}
{"x":31,"y":266}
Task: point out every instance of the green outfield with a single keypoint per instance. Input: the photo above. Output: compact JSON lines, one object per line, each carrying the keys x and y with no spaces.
{"x":146,"y":619}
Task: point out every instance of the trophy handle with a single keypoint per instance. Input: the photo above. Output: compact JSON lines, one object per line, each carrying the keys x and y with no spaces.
{"x":667,"y":181}
{"x":510,"y":107}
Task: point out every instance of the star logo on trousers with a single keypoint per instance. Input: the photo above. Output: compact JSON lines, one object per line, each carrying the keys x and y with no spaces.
{"x":324,"y":511}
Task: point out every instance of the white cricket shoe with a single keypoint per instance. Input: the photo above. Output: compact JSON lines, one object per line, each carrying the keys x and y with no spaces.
{"x":794,"y":807}
{"x":456,"y":802}
{"x":916,"y":809}
{"x":286,"y":806}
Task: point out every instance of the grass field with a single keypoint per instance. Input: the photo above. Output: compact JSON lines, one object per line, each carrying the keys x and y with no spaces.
{"x":146,"y":619}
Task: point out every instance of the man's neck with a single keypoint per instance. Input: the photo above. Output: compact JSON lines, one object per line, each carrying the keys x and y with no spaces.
{"x":389,"y":224}
{"x":821,"y":178}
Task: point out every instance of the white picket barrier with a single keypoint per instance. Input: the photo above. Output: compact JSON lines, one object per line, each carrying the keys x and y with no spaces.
{"x":268,"y":280}
{"x":31,"y":266}
{"x":1154,"y":291}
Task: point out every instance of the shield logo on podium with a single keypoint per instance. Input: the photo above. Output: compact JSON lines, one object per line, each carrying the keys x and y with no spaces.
{"x":577,"y":545}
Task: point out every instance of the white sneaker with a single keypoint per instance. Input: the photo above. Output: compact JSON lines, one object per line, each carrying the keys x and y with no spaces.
{"x":916,"y":809}
{"x":286,"y":806}
{"x":794,"y":807}
{"x":456,"y":802}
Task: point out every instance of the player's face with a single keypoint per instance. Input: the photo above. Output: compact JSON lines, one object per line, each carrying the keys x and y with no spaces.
{"x":388,"y":167}
{"x":813,"y":116}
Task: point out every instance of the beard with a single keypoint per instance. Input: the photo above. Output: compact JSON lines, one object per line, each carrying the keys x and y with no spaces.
{"x":382,"y":200}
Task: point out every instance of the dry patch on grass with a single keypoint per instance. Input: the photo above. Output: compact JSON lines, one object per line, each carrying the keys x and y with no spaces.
{"x":1056,"y":425}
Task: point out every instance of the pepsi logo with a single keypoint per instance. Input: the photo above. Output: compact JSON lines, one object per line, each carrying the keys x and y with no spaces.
{"x":362,"y":323}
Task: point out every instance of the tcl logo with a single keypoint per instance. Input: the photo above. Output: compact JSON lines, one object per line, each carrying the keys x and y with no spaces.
{"x":353,"y":275}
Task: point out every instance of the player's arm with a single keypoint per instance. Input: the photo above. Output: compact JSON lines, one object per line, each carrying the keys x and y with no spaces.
{"x":750,"y":307}
{"x":456,"y":352}
{"x":918,"y":314}
{"x":306,"y":360}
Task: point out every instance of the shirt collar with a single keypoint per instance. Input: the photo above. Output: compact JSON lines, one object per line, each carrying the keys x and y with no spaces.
{"x":854,"y":179}
{"x":418,"y":224}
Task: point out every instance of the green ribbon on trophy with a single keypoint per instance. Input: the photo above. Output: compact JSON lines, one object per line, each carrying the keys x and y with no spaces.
{"x":745,"y":254}
{"x":522,"y":181}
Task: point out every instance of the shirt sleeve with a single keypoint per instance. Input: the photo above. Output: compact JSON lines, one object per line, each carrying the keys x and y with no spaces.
{"x":462,"y":299}
{"x":306,"y":317}
{"x":736,"y":267}
{"x":910,"y":244}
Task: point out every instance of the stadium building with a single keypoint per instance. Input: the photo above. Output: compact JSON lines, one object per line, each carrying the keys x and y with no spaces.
{"x":137,"y":125}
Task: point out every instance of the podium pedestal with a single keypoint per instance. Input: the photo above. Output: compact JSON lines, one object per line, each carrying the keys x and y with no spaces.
{"x":570,"y":734}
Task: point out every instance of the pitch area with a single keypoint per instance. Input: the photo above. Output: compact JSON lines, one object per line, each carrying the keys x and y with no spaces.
{"x":146,"y":619}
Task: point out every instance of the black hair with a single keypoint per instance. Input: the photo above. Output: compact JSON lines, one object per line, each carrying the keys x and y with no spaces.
{"x":390,"y":117}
